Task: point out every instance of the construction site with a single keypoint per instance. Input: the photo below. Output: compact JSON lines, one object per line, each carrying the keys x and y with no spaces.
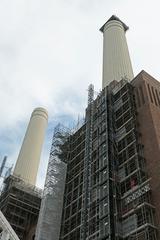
{"x":102,"y":181}
{"x":20,"y":203}
{"x":107,"y":193}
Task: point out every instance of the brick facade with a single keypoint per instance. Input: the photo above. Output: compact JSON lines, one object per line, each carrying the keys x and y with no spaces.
{"x":147,"y":94}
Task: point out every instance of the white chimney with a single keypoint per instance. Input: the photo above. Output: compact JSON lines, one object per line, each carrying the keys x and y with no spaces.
{"x":116,"y":59}
{"x":28,"y":160}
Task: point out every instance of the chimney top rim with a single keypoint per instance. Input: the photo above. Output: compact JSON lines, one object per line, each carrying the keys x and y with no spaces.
{"x":112,"y":18}
{"x":40,"y":111}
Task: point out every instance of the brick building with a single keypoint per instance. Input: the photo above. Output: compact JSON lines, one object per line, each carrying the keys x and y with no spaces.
{"x":111,"y":189}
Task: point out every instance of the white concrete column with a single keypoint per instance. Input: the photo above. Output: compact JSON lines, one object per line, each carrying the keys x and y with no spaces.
{"x":28,"y":160}
{"x":116,"y":59}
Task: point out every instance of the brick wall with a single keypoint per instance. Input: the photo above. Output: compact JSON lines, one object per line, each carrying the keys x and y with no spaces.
{"x":147,"y":94}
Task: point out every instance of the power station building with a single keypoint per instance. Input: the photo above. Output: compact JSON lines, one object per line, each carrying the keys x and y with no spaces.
{"x":20,"y":199}
{"x":103,"y":180}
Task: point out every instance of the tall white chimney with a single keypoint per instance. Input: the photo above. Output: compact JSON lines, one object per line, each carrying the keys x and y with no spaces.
{"x":116,"y":59}
{"x":28,"y":160}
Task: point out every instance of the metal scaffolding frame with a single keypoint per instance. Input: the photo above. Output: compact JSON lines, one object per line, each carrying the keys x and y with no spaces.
{"x":20,"y":204}
{"x":49,"y":221}
{"x":136,"y":212}
{"x":100,"y":165}
{"x":102,"y":199}
{"x":87,"y":165}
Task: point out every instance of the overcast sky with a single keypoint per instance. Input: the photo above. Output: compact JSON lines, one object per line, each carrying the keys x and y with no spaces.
{"x":51,"y":50}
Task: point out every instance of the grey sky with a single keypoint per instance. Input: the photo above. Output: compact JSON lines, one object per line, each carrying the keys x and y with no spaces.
{"x":50,"y":51}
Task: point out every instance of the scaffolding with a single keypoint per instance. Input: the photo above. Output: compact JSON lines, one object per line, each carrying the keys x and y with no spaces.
{"x":20,"y":203}
{"x":49,"y":222}
{"x":136,"y":212}
{"x":87,"y":165}
{"x":113,"y":186}
{"x":72,"y":207}
{"x":107,"y":192}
